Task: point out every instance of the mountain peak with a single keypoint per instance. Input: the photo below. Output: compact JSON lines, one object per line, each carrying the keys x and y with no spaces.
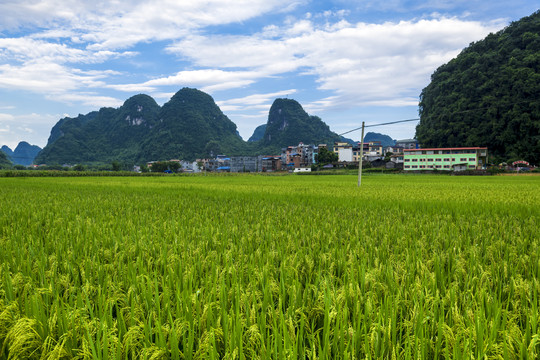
{"x":288,"y":124}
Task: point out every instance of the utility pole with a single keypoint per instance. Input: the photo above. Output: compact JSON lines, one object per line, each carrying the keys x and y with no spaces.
{"x":361,"y":157}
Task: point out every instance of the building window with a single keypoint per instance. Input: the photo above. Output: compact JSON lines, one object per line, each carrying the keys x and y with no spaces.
{"x":453,"y":159}
{"x":422,"y":166}
{"x":463,"y":159}
{"x":471,"y":166}
{"x":438,"y":166}
{"x":447,"y":159}
{"x":407,"y":160}
{"x":438,"y":159}
{"x":472,"y":159}
{"x":415,"y":166}
{"x":414,"y":160}
{"x":429,"y":159}
{"x":407,"y":166}
{"x":447,"y":166}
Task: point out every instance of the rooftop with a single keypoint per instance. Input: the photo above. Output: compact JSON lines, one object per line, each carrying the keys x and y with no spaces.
{"x":457,"y":148}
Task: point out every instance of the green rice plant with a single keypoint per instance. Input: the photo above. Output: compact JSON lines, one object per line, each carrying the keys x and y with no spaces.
{"x":248,"y":267}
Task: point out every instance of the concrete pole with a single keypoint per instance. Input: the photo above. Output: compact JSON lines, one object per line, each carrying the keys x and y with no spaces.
{"x":361,"y":157}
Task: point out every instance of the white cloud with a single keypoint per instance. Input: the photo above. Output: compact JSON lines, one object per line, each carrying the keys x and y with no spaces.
{"x":47,"y":77}
{"x":123,"y":23}
{"x":364,"y":64}
{"x":207,"y":79}
{"x":88,"y":99}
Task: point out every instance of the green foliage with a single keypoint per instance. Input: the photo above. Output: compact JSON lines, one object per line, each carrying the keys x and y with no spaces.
{"x":141,"y":131}
{"x":144,"y":168}
{"x":326,"y":156}
{"x":225,"y":267}
{"x":384,"y":139}
{"x":258,"y":133}
{"x":116,"y":166}
{"x":4,"y":161}
{"x":189,"y":126}
{"x":488,"y":96}
{"x":161,"y":166}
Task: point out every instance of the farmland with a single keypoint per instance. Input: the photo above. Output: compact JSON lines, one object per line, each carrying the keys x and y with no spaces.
{"x":246,"y":267}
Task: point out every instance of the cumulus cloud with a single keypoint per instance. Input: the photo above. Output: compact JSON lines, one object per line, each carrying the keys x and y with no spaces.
{"x":123,"y":23}
{"x":364,"y":64}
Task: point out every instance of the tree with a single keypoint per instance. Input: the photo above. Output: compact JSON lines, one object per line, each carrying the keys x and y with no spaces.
{"x":116,"y":165}
{"x":161,"y":166}
{"x":326,"y":156}
{"x":79,"y":167}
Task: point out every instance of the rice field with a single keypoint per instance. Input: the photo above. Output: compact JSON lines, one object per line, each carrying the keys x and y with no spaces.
{"x":270,"y":267}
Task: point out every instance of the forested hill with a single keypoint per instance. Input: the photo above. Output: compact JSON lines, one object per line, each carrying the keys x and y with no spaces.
{"x":289,"y":124}
{"x":189,"y":126}
{"x":488,"y":96}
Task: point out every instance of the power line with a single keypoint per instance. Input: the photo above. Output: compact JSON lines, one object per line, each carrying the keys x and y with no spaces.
{"x":453,"y":113}
{"x":387,"y":123}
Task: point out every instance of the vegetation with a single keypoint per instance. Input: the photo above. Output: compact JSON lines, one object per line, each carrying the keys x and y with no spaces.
{"x":384,"y":139}
{"x":258,"y":133}
{"x":162,"y":166}
{"x":325,"y":156}
{"x":488,"y":96}
{"x":24,"y":153}
{"x":4,"y":161}
{"x":245,"y":267}
{"x":141,"y":130}
{"x":288,"y":124}
{"x":187,"y":127}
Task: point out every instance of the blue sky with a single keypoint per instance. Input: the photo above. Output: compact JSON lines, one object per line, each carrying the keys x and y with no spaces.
{"x":344,"y":61}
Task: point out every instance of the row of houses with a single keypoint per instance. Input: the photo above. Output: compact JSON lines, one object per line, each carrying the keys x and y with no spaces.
{"x":405,"y":154}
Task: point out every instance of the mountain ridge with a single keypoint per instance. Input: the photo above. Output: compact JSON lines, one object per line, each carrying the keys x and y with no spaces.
{"x":24,"y":153}
{"x":189,"y":126}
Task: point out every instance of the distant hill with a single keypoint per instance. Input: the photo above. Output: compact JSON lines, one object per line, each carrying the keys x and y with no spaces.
{"x":4,"y":161}
{"x":288,"y":124}
{"x":384,"y":139}
{"x":488,"y":96}
{"x":24,"y":153}
{"x":258,"y":133}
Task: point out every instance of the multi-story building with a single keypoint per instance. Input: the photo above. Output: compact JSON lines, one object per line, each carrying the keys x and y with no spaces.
{"x":393,"y":149}
{"x":270,"y":163}
{"x":457,"y":159}
{"x":372,"y":150}
{"x":300,"y":155}
{"x":244,"y":164}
